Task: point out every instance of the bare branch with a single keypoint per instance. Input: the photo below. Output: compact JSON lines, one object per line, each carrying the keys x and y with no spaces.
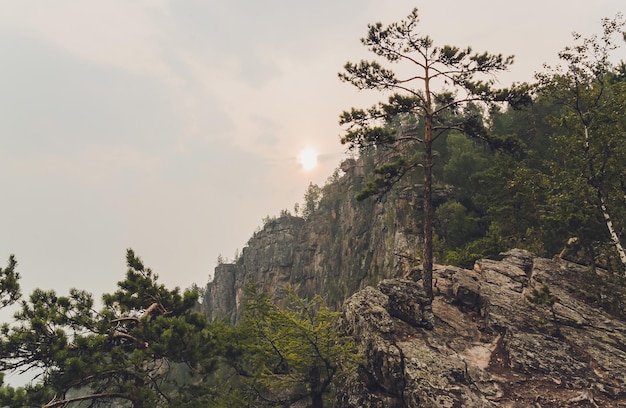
{"x":106,"y":395}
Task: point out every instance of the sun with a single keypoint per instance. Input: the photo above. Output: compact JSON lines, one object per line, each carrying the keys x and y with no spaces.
{"x":308,"y":159}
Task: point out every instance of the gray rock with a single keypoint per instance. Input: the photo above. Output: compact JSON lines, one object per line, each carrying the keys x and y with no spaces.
{"x":407,"y":301}
{"x":490,"y":347}
{"x":341,"y":247}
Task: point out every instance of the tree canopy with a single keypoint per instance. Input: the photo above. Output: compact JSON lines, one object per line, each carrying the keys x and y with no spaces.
{"x":294,"y":353}
{"x":587,"y":167}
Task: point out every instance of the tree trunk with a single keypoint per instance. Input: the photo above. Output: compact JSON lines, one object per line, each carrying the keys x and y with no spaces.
{"x":428,"y":210}
{"x":317,"y":400}
{"x":595,"y":184}
{"x":316,"y":388}
{"x":609,"y":225}
{"x":139,"y":384}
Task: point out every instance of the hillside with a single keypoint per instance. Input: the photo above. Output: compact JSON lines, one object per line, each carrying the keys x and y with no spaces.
{"x":494,"y":342}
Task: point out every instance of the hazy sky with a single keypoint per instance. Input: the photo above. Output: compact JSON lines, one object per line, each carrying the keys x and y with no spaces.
{"x":173,"y":127}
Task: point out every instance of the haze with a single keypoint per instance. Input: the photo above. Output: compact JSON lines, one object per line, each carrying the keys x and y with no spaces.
{"x":174,"y":127}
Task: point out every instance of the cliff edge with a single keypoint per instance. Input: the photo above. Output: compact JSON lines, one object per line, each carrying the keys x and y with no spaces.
{"x":490,"y":346}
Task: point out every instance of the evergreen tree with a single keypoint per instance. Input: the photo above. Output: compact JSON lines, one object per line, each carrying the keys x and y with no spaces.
{"x":9,"y":283}
{"x":9,"y":294}
{"x":312,"y":198}
{"x":140,"y":350}
{"x":440,"y":93}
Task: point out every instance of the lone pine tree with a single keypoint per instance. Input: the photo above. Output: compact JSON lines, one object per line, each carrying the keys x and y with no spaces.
{"x":435,"y":90}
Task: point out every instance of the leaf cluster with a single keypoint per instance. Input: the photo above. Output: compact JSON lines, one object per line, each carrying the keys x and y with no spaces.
{"x":543,"y":296}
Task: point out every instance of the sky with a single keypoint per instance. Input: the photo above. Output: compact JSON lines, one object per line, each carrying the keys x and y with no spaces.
{"x":173,"y":127}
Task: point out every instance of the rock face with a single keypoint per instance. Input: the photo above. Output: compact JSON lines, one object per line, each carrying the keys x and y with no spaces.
{"x":490,"y":346}
{"x":341,"y":247}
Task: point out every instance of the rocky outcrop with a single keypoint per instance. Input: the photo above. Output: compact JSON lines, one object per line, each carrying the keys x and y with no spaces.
{"x":341,"y":247}
{"x":490,"y":346}
{"x":480,"y":343}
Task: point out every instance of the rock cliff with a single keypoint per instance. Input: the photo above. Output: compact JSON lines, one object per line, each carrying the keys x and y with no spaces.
{"x":490,"y":346}
{"x":341,"y":246}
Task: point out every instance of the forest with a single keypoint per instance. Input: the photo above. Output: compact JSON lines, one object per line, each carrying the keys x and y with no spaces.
{"x":536,"y":166}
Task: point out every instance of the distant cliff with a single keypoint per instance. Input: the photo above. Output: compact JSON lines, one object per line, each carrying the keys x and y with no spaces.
{"x":341,"y":246}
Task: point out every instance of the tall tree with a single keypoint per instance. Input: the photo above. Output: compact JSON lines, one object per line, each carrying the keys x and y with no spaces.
{"x":588,"y":176}
{"x":435,"y":90}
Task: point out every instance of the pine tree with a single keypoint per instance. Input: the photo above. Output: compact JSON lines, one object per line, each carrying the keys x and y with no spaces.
{"x":142,"y":348}
{"x":437,"y":91}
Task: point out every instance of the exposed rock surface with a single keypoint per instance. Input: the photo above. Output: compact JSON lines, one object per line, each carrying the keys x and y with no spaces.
{"x":342,"y":246}
{"x":490,"y":346}
{"x":481,"y":343}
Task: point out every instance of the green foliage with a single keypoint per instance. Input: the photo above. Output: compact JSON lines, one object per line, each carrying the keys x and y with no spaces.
{"x":513,"y":197}
{"x":466,"y":158}
{"x":476,"y":222}
{"x":385,"y":177}
{"x":569,"y":180}
{"x":291,"y":354}
{"x":147,"y":347}
{"x":554,"y":167}
{"x":455,"y":225}
{"x":489,"y":246}
{"x":135,"y":349}
{"x":9,"y":283}
{"x":542,"y":296}
{"x":417,"y":113}
{"x":529,"y":177}
{"x":604,"y":291}
{"x":587,"y":173}
{"x":312,"y":198}
{"x":28,"y":396}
